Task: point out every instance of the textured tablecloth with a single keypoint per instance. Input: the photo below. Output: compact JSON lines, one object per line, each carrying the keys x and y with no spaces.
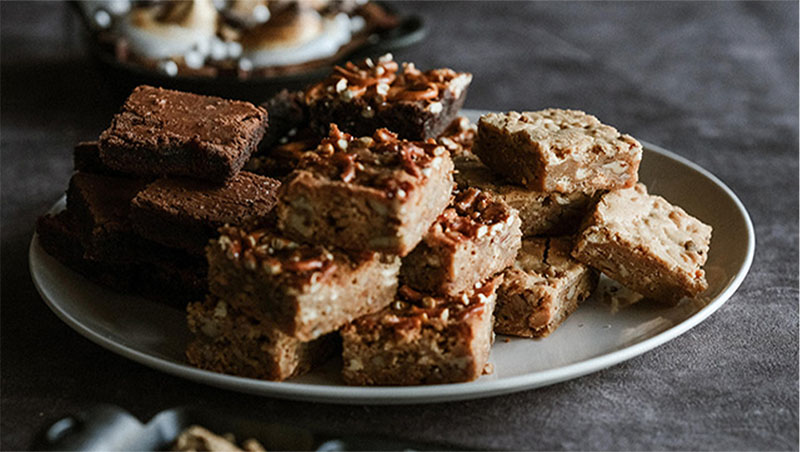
{"x":714,"y":82}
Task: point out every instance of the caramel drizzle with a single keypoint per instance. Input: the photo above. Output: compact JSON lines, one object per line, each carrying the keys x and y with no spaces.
{"x":349,"y":157}
{"x":260,"y":246}
{"x":471,"y":209}
{"x":382,"y":83}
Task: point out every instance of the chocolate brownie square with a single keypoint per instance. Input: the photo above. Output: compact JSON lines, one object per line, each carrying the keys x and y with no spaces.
{"x":306,"y":290}
{"x":378,"y":193}
{"x":100,"y":205}
{"x":557,"y":150}
{"x":361,"y":98}
{"x":542,"y":288}
{"x":541,"y":213}
{"x":185,"y":213}
{"x":163,"y":132}
{"x":421,"y":339}
{"x":233,"y":341}
{"x":647,"y":244}
{"x":474,"y":238}
{"x":287,"y":113}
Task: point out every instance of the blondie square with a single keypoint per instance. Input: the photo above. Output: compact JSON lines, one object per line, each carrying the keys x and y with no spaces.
{"x":307,"y":290}
{"x":542,"y":288}
{"x":163,"y":132}
{"x":541,"y":213}
{"x":647,"y":244}
{"x":421,"y":339}
{"x":231,"y":341}
{"x":361,"y":98}
{"x":474,"y":238}
{"x":557,"y":150}
{"x":372,"y":193}
{"x":185,"y":213}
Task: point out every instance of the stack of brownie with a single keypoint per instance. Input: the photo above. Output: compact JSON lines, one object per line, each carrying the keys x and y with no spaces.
{"x":147,"y":197}
{"x":371,"y":220}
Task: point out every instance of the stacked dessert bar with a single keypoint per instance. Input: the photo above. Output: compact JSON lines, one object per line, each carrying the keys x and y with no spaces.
{"x":149,"y":194}
{"x":370,"y":220}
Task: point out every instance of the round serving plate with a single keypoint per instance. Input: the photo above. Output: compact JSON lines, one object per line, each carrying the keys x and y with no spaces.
{"x":599,"y":334}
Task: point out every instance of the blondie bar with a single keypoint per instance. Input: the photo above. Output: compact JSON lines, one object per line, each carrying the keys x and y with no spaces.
{"x":306,"y":290}
{"x":185,"y":213}
{"x":542,"y":288}
{"x":557,"y":150}
{"x":421,"y":339}
{"x":541,"y":213}
{"x":230,"y":340}
{"x":361,"y":98}
{"x":163,"y":132}
{"x":647,"y":244}
{"x":377,"y":193}
{"x":474,"y":238}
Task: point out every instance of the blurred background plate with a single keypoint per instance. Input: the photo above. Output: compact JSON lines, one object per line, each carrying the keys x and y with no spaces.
{"x":126,"y":75}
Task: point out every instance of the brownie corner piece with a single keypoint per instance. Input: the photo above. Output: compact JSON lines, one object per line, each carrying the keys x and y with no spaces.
{"x":371,"y":193}
{"x":307,"y":290}
{"x":647,"y":244}
{"x":232,"y":341}
{"x":542,"y":288}
{"x":164,"y":132}
{"x":557,"y":150}
{"x":363,"y":97}
{"x":476,"y":237}
{"x":421,"y":339}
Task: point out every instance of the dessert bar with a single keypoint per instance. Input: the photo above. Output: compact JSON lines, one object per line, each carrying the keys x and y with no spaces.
{"x":647,"y":244}
{"x":361,"y":98}
{"x":307,"y":290}
{"x":100,"y":205}
{"x":542,"y":288}
{"x":185,"y":213}
{"x":378,"y":193}
{"x":173,"y":281}
{"x":163,"y":132}
{"x":474,"y":238}
{"x":557,"y":150}
{"x":287,"y":113}
{"x":230,"y":341}
{"x":421,"y":339}
{"x":541,"y":213}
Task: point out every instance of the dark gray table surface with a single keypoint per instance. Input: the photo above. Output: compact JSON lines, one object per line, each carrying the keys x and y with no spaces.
{"x":714,"y":82}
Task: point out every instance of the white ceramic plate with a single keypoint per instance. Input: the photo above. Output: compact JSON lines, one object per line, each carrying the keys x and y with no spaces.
{"x":598,"y":335}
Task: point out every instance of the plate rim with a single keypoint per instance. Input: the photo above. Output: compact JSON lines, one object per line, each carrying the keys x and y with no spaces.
{"x":390,"y":395}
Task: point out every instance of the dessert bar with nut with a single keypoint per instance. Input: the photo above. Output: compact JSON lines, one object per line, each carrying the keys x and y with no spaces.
{"x":371,"y":193}
{"x":474,"y":238}
{"x":541,"y":213}
{"x":361,"y":98}
{"x":542,"y":288}
{"x":647,"y":244}
{"x":421,"y":339}
{"x":185,"y":213}
{"x":307,"y":290}
{"x":232,"y":341}
{"x":163,"y":132}
{"x":557,"y":150}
